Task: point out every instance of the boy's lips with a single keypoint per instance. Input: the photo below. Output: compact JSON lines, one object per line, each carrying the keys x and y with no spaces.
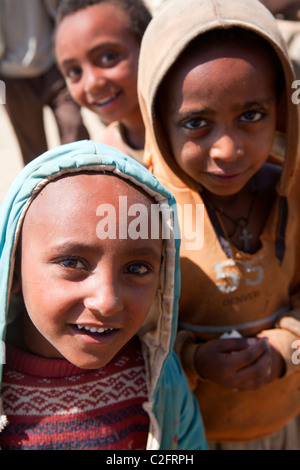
{"x":107,"y":100}
{"x":225,"y":176}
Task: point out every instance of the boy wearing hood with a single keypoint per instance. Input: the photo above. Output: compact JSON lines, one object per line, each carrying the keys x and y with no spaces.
{"x":222,"y":134}
{"x":88,"y":306}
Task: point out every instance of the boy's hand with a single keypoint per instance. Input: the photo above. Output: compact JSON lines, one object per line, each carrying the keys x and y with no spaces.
{"x":239,"y":363}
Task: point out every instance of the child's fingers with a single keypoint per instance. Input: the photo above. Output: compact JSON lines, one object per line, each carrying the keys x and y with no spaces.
{"x":239,"y":356}
{"x":250,"y":355}
{"x":220,"y":359}
{"x":256,"y":375}
{"x":234,"y":345}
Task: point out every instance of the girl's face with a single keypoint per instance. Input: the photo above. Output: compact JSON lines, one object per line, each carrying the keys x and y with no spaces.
{"x":86,"y":295}
{"x":218,"y":109}
{"x":98,"y":56}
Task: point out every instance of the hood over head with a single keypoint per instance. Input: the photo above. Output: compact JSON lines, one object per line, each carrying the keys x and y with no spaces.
{"x":173,"y":28}
{"x":158,"y":332}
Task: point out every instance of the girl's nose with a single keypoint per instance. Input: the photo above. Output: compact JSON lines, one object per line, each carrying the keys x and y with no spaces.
{"x":104,"y":297}
{"x":226,"y":147}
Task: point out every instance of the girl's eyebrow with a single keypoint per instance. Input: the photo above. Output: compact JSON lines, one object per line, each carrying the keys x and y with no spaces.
{"x":146,"y":251}
{"x":251,"y":104}
{"x":69,"y":248}
{"x":211,"y":112}
{"x":193,"y":112}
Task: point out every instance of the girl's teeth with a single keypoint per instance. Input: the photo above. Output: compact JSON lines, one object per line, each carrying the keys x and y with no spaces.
{"x":93,"y":329}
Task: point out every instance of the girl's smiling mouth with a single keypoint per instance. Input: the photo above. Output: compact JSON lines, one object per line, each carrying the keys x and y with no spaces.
{"x":93,"y":333}
{"x":93,"y":329}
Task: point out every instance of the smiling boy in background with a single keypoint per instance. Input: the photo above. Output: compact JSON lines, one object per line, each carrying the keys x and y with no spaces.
{"x":97,"y":44}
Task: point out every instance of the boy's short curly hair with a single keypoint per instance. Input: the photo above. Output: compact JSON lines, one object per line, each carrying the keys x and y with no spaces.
{"x":138,"y":14}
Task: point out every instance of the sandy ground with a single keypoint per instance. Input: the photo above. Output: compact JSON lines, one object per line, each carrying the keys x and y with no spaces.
{"x":10,"y":156}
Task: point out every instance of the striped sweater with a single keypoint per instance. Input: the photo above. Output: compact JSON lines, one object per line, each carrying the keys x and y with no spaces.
{"x":53,"y":405}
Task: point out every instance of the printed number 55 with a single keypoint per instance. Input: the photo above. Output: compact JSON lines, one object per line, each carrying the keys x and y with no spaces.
{"x":229,"y":279}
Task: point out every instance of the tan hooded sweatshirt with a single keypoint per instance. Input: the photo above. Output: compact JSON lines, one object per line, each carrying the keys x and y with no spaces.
{"x":225,"y":291}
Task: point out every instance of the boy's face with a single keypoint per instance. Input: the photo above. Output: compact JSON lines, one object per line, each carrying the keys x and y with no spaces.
{"x":85,"y":297}
{"x":98,"y":57}
{"x":218,"y":110}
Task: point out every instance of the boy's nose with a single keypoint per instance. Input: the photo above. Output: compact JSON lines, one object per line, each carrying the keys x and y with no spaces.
{"x":93,"y":80}
{"x":226,"y":147}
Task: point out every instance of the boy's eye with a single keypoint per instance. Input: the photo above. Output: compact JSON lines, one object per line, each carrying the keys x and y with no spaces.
{"x":72,"y":263}
{"x":108,"y":59}
{"x":252,"y":116}
{"x":195,"y":123}
{"x":73,"y":74}
{"x":138,"y":268}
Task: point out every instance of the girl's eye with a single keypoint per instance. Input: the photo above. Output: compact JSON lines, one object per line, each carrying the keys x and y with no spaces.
{"x":252,"y":116}
{"x":195,"y":123}
{"x":139,"y":269}
{"x":72,"y":263}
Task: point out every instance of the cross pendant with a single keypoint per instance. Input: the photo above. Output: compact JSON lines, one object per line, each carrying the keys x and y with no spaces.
{"x":245,"y":237}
